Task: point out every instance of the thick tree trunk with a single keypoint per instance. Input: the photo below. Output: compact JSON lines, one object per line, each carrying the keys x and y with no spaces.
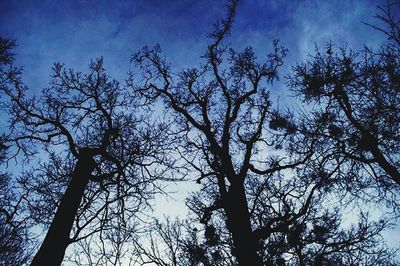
{"x":57,"y":238}
{"x":236,"y":208}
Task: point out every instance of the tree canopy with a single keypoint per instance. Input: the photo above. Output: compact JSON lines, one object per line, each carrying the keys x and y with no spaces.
{"x":278,"y":186}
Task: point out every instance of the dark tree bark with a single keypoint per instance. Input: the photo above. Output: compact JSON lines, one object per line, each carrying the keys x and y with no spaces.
{"x":57,"y":238}
{"x":238,"y":219}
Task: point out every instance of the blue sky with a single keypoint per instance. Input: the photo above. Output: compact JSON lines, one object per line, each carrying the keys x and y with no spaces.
{"x":74,"y":32}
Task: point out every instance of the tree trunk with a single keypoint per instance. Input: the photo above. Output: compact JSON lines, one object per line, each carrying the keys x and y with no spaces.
{"x":57,"y":238}
{"x":236,"y":209}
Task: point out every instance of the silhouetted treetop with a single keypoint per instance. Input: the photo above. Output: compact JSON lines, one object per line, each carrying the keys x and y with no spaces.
{"x":357,"y":94}
{"x":263,"y":172}
{"x":102,"y":147}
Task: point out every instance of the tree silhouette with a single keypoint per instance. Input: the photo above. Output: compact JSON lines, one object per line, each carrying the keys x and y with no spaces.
{"x":264,"y":174}
{"x":275,"y":185}
{"x":213,"y":130}
{"x":13,"y":230}
{"x":102,"y":148}
{"x":318,"y":239}
{"x":356,"y":97}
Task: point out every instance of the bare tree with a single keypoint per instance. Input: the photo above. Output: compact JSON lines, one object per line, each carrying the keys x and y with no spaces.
{"x":102,"y":149}
{"x":356,"y":97}
{"x":269,"y":180}
{"x":223,"y":112}
{"x":262,"y":172}
{"x":14,"y":239}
